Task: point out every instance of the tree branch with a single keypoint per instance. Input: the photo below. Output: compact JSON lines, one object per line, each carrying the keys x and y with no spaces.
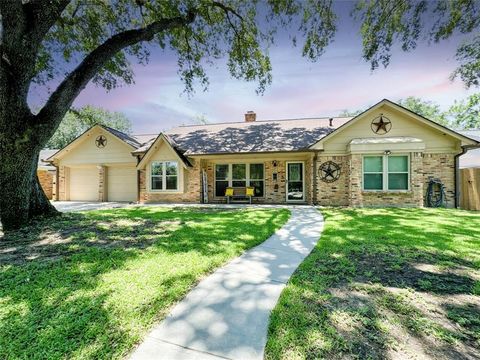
{"x":63,"y":97}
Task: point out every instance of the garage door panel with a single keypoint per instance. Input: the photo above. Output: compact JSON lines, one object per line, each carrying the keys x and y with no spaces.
{"x":84,"y":184}
{"x":122,"y":184}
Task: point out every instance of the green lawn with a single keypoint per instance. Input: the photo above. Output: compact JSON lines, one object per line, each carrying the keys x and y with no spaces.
{"x":90,"y":285}
{"x":384,"y":283}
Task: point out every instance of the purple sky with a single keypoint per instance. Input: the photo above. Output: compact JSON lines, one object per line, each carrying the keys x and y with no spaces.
{"x":341,"y":79}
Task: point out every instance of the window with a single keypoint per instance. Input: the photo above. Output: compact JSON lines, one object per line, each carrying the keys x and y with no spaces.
{"x":398,"y":173}
{"x":256,"y":179}
{"x":386,"y":172}
{"x":221,"y":179}
{"x":239,"y":175}
{"x":164,"y":175}
{"x":373,"y":173}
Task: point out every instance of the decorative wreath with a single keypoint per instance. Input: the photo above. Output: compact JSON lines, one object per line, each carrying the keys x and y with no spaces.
{"x":329,"y":171}
{"x":101,"y":141}
{"x":381,"y":125}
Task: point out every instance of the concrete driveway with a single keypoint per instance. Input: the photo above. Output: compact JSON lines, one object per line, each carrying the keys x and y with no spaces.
{"x":71,"y":206}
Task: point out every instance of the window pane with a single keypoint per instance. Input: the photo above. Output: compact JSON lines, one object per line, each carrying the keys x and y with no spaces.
{"x":373,"y":164}
{"x":256,"y":171}
{"x":239,"y":183}
{"x":294,"y":172}
{"x":373,"y":181}
{"x":157,"y":168}
{"x":171,"y":183}
{"x":398,"y":163}
{"x":171,"y":168}
{"x":258,"y":185}
{"x":156,"y":183}
{"x":221,"y":172}
{"x":295,"y":190}
{"x":397,"y":181}
{"x":239,"y":171}
{"x":220,"y":187}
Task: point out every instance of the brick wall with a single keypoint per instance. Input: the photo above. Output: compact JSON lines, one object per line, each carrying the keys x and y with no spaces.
{"x":347,"y":190}
{"x":46,"y":179}
{"x":275,"y":190}
{"x":334,"y":193}
{"x":191,"y":190}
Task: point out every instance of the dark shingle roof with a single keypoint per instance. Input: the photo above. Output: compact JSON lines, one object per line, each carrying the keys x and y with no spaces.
{"x":243,"y":137}
{"x":125,"y":137}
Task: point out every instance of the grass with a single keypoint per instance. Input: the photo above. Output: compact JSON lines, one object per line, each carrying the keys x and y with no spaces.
{"x":90,"y":285}
{"x":384,"y":283}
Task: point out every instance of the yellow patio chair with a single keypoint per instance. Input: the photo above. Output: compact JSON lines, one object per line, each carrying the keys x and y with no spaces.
{"x":228,"y":194}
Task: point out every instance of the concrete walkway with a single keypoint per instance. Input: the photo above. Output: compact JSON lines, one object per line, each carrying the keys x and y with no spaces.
{"x":226,"y":315}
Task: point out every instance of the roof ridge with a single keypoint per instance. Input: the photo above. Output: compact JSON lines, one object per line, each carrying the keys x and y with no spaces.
{"x":267,"y":120}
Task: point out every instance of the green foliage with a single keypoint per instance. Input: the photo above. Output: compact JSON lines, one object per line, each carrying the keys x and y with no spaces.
{"x":385,"y":23}
{"x":77,"y":121}
{"x":350,"y":113}
{"x":465,"y":114}
{"x":227,"y":29}
{"x":428,"y":109}
{"x":380,"y":282}
{"x":90,"y":285}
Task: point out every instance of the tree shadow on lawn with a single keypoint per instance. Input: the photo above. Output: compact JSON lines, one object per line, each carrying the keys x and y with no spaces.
{"x":90,"y":284}
{"x":384,"y":283}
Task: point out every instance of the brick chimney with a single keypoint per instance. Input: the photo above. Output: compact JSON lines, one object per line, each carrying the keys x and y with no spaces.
{"x":250,"y":116}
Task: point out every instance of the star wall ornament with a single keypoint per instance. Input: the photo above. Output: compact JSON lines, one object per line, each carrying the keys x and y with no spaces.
{"x":329,"y":171}
{"x":381,"y":125}
{"x":101,"y":141}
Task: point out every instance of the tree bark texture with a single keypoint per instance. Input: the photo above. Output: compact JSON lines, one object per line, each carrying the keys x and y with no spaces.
{"x":23,"y":25}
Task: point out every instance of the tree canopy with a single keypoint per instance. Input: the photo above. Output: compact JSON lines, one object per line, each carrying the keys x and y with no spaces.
{"x":65,"y":44}
{"x":461,"y":115}
{"x":77,"y":121}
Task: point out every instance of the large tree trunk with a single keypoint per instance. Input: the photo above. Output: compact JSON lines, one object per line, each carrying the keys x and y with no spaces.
{"x":21,"y":195}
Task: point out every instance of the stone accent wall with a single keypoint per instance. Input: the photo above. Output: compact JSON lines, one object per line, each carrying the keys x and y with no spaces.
{"x":440,"y":166}
{"x":102,"y":183}
{"x":334,"y":193}
{"x":62,"y":186}
{"x":275,"y":191}
{"x":191,"y":189}
{"x":47,"y":180}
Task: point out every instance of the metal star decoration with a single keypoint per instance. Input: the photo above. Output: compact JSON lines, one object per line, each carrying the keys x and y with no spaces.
{"x":329,"y":171}
{"x":381,"y":125}
{"x":101,"y":141}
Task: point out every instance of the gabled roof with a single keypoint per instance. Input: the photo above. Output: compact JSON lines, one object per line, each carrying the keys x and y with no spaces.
{"x":122,"y":136}
{"x":247,"y":137}
{"x":151,"y":149}
{"x":127,"y":139}
{"x":419,"y":117}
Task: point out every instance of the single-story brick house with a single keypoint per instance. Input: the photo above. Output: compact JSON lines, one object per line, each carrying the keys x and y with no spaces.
{"x":382,"y":157}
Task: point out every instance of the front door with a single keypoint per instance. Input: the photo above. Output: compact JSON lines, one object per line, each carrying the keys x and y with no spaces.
{"x":295,"y":181}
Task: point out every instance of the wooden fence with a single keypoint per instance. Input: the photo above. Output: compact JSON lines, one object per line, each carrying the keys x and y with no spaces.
{"x":470,"y":189}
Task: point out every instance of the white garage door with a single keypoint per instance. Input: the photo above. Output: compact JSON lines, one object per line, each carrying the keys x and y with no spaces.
{"x":122,"y":183}
{"x":84,"y":184}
